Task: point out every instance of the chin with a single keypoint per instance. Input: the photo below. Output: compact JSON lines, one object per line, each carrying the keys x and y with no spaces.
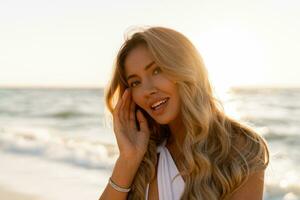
{"x":163,"y":120}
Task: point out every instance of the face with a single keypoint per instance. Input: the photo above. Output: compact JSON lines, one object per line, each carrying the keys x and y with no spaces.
{"x":151,"y":88}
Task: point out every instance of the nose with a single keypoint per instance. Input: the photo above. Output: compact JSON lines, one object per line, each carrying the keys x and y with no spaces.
{"x":150,"y":88}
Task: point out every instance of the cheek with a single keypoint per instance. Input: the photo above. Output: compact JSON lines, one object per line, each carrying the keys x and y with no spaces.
{"x":136,"y":99}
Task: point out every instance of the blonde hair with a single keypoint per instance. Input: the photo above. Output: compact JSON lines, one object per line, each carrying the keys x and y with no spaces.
{"x":219,"y":153}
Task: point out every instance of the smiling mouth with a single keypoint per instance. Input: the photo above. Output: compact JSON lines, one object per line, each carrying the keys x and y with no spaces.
{"x":159,"y":104}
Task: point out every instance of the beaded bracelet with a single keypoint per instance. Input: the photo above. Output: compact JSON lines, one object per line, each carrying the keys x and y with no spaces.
{"x":118,"y":188}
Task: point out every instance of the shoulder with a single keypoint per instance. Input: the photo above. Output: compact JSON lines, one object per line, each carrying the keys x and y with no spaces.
{"x":252,"y":188}
{"x":248,"y":145}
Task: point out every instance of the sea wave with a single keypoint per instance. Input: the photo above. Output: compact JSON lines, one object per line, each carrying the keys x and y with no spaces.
{"x":279,"y":191}
{"x":76,"y":151}
{"x":66,"y":114}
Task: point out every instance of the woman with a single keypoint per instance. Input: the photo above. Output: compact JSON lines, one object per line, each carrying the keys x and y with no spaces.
{"x":168,"y":122}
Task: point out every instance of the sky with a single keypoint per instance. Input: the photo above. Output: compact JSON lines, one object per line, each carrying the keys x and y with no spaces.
{"x":71,"y":43}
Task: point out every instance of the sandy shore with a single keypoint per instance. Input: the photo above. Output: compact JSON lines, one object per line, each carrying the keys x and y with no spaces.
{"x":11,"y":195}
{"x":42,"y":179}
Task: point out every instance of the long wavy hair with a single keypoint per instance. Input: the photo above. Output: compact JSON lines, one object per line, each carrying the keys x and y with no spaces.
{"x":219,"y":152}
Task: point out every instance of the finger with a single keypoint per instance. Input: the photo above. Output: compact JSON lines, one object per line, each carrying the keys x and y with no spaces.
{"x":143,"y":122}
{"x":132,"y":116}
{"x":116,"y":111}
{"x":127,"y":105}
{"x":122,"y":107}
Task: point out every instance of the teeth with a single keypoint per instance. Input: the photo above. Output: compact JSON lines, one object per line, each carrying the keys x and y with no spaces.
{"x":159,"y":103}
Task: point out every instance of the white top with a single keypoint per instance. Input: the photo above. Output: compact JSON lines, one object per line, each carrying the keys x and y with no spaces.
{"x":166,"y":171}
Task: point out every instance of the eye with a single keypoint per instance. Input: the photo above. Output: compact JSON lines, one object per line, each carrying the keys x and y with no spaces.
{"x":133,"y":84}
{"x":157,"y":70}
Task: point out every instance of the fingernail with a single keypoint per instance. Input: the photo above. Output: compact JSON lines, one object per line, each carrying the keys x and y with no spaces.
{"x":125,"y":93}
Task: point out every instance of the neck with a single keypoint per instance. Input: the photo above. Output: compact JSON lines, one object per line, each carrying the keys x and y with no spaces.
{"x":178,"y":133}
{"x":175,"y":142}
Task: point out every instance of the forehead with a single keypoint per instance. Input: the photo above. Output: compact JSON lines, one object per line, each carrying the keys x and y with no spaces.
{"x":137,"y":59}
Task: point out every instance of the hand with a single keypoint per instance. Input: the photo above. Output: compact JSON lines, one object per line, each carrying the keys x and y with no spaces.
{"x":132,"y":142}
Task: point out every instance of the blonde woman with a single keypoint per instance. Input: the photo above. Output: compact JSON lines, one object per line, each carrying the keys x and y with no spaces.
{"x":175,"y":140}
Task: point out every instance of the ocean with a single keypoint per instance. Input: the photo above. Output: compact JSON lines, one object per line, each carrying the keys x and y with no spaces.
{"x":58,"y":144}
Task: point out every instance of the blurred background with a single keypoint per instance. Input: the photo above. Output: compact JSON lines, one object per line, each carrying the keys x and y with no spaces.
{"x":56,"y":57}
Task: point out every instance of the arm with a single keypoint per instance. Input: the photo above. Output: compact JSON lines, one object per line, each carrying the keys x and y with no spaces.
{"x":252,"y":189}
{"x":123,"y":175}
{"x":132,"y":144}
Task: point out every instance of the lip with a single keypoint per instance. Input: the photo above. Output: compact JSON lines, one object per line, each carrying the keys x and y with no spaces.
{"x":161,"y":109}
{"x":156,"y":100}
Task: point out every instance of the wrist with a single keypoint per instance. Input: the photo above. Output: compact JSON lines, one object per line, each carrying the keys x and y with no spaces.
{"x":117,"y":187}
{"x":129,"y":162}
{"x":124,"y":171}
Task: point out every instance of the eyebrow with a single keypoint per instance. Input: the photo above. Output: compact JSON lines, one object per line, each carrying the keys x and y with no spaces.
{"x":146,"y":67}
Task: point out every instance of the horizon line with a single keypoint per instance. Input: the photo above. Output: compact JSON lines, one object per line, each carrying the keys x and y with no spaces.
{"x":102,"y":87}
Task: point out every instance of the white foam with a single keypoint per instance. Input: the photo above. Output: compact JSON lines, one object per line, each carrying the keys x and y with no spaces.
{"x":76,"y":150}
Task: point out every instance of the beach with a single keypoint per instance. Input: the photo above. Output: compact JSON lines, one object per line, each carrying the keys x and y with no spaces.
{"x":63,"y":150}
{"x":28,"y":177}
{"x":12,"y":195}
